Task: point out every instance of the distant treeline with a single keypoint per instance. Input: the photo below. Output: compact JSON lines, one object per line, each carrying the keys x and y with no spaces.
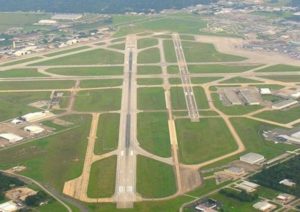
{"x":96,"y":6}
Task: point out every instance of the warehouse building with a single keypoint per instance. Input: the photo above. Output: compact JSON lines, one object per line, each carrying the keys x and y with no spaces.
{"x":10,"y":137}
{"x":264,"y":206}
{"x":252,"y":158}
{"x":247,"y":186}
{"x":32,"y":117}
{"x":9,"y":206}
{"x":250,"y":96}
{"x":232,"y":96}
{"x":33,"y":129}
{"x":284,"y":104}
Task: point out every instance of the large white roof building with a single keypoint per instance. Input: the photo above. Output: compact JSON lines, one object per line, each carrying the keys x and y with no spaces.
{"x":252,"y":158}
{"x":33,"y":129}
{"x":10,"y":137}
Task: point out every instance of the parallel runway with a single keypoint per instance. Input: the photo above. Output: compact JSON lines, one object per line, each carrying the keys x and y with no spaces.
{"x":125,"y":190}
{"x":185,"y":79}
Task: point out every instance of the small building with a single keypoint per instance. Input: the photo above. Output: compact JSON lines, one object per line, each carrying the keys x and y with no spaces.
{"x":265,"y":91}
{"x":71,"y":42}
{"x":9,"y":206}
{"x":47,"y":22}
{"x":17,"y":121}
{"x":252,"y":158}
{"x":284,"y":104}
{"x":287,"y":182}
{"x":68,"y":17}
{"x":264,"y":206}
{"x":235,"y":171}
{"x":209,"y":205}
{"x":10,"y":137}
{"x":33,"y":129}
{"x":285,"y":198}
{"x":247,"y":186}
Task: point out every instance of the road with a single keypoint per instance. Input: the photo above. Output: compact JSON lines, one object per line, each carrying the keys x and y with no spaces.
{"x":125,"y":190}
{"x":185,"y":79}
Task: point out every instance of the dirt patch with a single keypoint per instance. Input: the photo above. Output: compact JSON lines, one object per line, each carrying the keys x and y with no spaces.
{"x":190,"y":179}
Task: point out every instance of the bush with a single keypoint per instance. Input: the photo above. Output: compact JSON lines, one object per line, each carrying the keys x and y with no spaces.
{"x":37,"y":199}
{"x":242,"y":196}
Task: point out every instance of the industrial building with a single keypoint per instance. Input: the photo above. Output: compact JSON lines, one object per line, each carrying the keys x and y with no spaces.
{"x":10,"y":137}
{"x":247,"y":186}
{"x":32,"y":117}
{"x":264,"y":206}
{"x":284,"y":104}
{"x":47,"y":22}
{"x":252,"y":158}
{"x":287,"y":182}
{"x":288,"y":93}
{"x":250,"y":96}
{"x":265,"y":91}
{"x":68,"y":17}
{"x":232,"y":97}
{"x":33,"y":129}
{"x":242,"y":96}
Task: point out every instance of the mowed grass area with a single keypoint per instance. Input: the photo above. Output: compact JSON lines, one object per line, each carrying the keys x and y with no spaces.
{"x":218,"y":68}
{"x":19,"y":19}
{"x":281,"y":116}
{"x":25,"y":72}
{"x":107,"y":133}
{"x":100,"y":83}
{"x":149,"y":81}
{"x":119,"y":46}
{"x":198,"y":144}
{"x":202,"y":80}
{"x":28,"y":85}
{"x":175,"y":81}
{"x":280,"y":68}
{"x":250,"y":131}
{"x":55,"y":159}
{"x":154,"y":179}
{"x":146,"y":42}
{"x":205,"y":52}
{"x":177,"y":98}
{"x":16,"y":62}
{"x":100,"y":100}
{"x":151,"y":99}
{"x":234,"y":109}
{"x":237,"y":80}
{"x":92,"y":57}
{"x":284,"y":78}
{"x":16,"y":104}
{"x":102,"y":178}
{"x":88,"y":71}
{"x":153,"y":133}
{"x":142,"y":70}
{"x":169,"y":50}
{"x":176,"y":23}
{"x":149,"y":56}
{"x":66,"y":51}
{"x":201,"y":98}
{"x":173,"y":69}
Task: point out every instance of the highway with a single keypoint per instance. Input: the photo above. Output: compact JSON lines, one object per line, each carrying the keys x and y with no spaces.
{"x":125,"y":190}
{"x":185,"y":79}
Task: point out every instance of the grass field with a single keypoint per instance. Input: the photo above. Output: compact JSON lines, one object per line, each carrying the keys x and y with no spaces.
{"x":100,"y":100}
{"x":201,"y":98}
{"x":169,"y":52}
{"x":205,"y":52}
{"x":175,"y":81}
{"x":66,"y":51}
{"x":107,"y":133}
{"x":149,"y":70}
{"x":149,"y":81}
{"x":153,"y":133}
{"x":26,"y":72}
{"x":202,"y":80}
{"x":187,"y":37}
{"x":88,"y":71}
{"x":154,"y":179}
{"x":149,"y":56}
{"x":197,"y":144}
{"x":19,"y":19}
{"x":235,"y":109}
{"x":119,"y":46}
{"x":284,"y":78}
{"x":218,"y":68}
{"x":281,"y":116}
{"x":177,"y":98}
{"x":27,"y":85}
{"x":100,"y":83}
{"x":93,"y":57}
{"x":55,"y":159}
{"x":250,"y":131}
{"x":146,"y":42}
{"x":102,"y":178}
{"x":52,"y":206}
{"x":16,"y":62}
{"x":237,"y":80}
{"x":173,"y":69}
{"x":16,"y":104}
{"x":280,"y":68}
{"x":151,"y":99}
